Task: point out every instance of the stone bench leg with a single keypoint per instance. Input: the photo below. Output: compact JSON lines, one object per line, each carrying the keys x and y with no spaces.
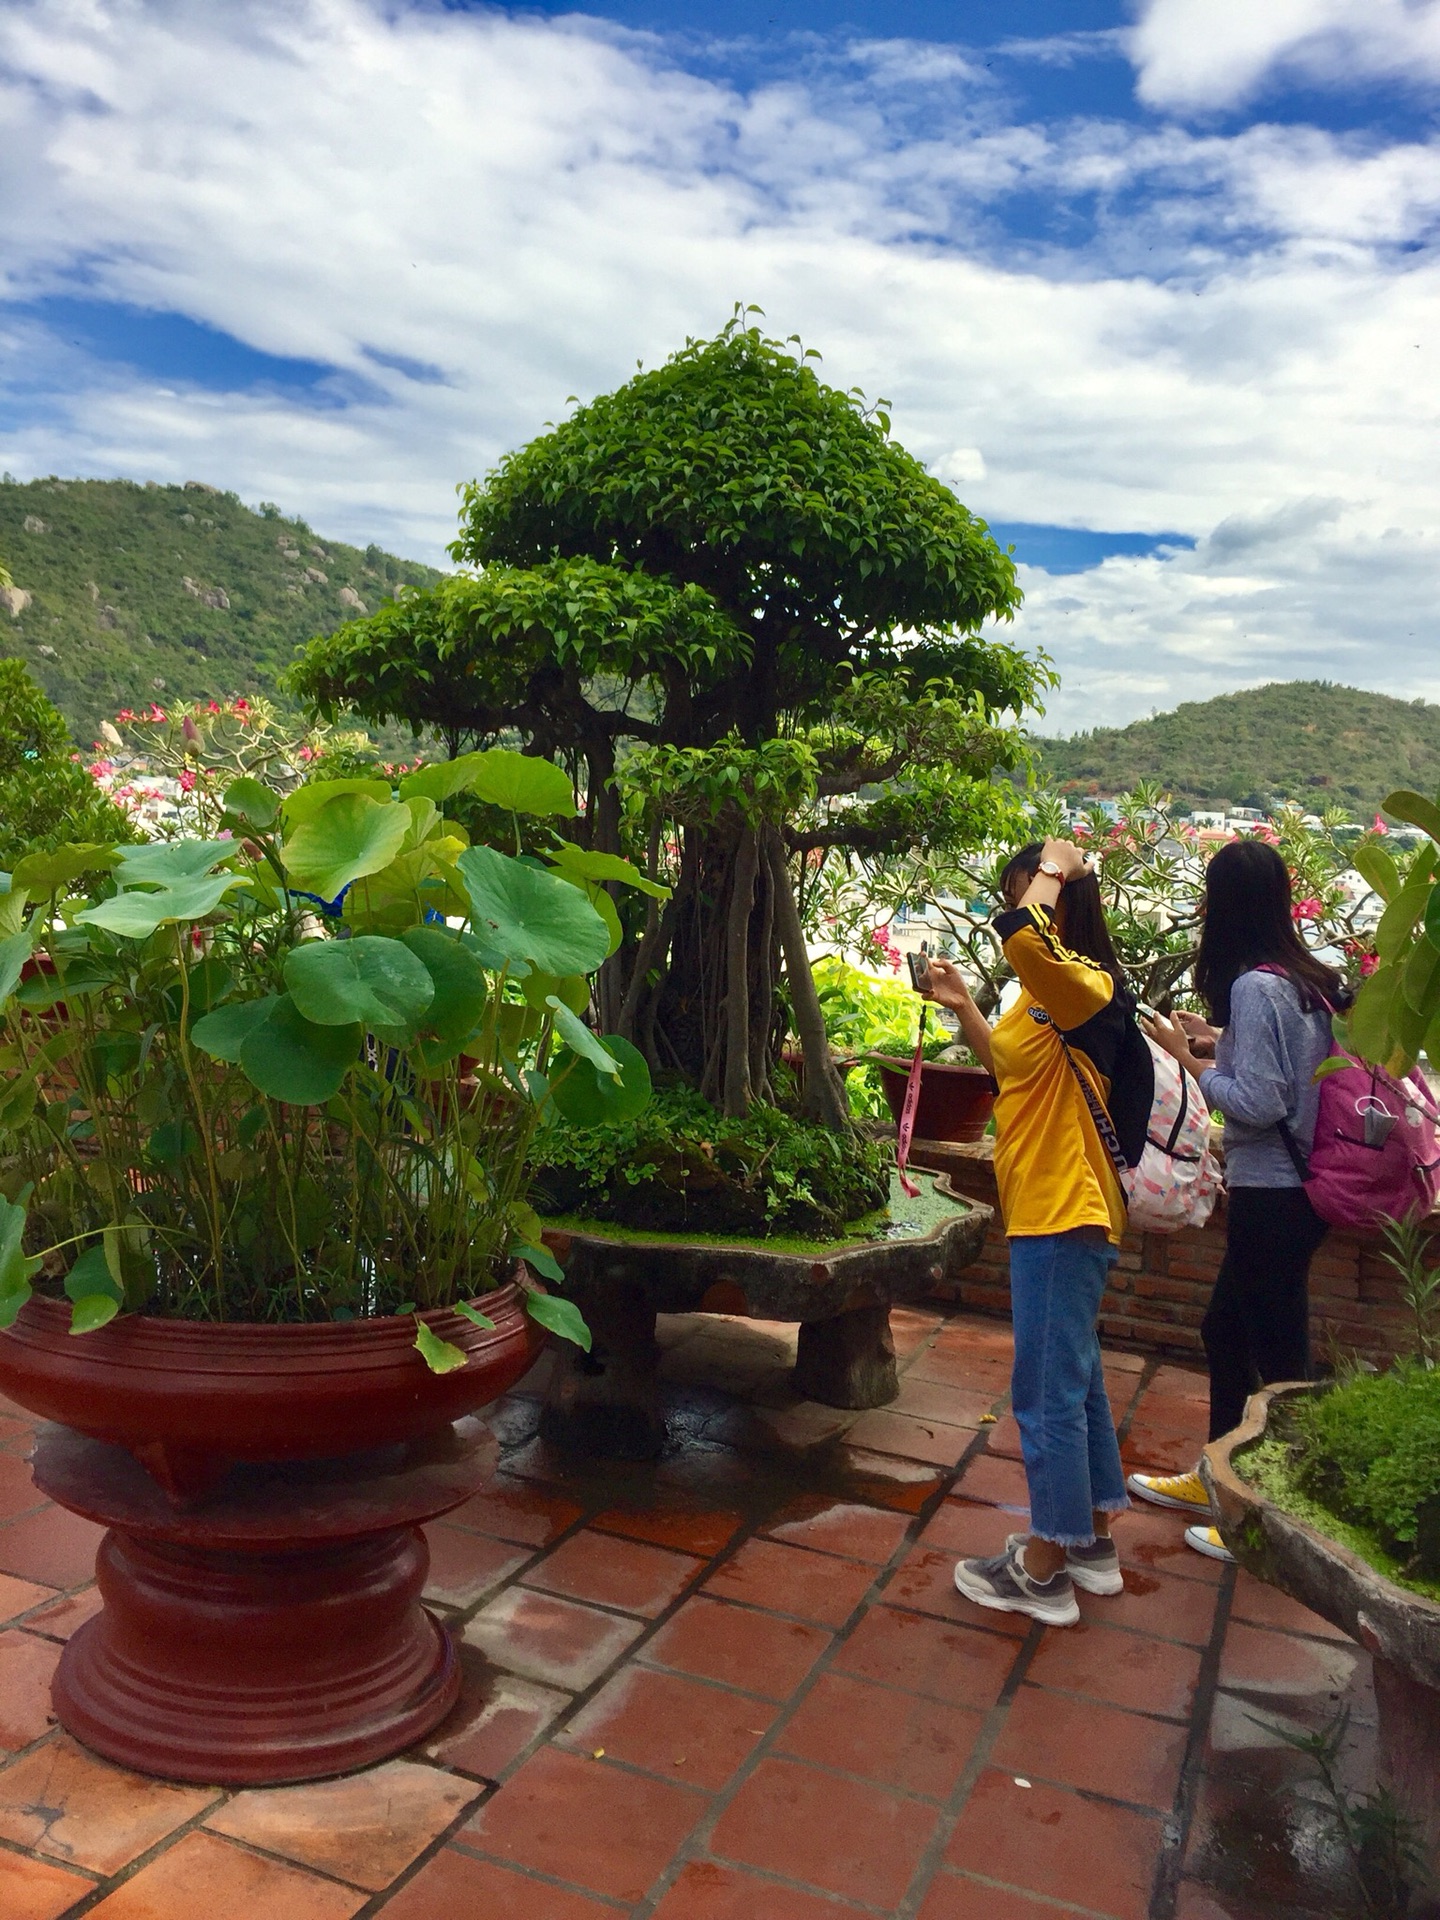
{"x":848,"y":1360}
{"x":606,"y":1403}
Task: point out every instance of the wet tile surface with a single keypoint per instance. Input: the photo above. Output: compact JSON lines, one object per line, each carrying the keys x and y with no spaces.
{"x":365,"y":1829}
{"x":737,"y":1683}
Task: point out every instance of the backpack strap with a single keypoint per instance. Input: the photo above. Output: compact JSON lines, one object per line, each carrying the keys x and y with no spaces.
{"x":1104,"y":1126}
{"x":1294,"y":1149}
{"x":1180,"y":1117}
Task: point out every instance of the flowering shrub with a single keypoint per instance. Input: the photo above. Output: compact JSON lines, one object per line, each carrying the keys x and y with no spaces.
{"x":1151,"y":870}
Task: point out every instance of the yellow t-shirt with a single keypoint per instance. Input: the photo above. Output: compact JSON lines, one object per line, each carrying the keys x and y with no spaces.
{"x":1051,"y":1166}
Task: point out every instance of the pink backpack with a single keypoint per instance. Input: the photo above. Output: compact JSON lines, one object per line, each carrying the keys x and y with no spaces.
{"x":1377,"y":1152}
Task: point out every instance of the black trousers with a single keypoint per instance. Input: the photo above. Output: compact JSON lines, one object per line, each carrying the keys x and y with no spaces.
{"x":1257,"y":1328}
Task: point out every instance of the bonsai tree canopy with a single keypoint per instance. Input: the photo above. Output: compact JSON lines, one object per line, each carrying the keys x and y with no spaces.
{"x":749,"y":622}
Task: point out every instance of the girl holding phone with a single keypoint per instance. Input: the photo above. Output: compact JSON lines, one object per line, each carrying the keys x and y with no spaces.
{"x":1269,"y":1000}
{"x":1064,"y":1215}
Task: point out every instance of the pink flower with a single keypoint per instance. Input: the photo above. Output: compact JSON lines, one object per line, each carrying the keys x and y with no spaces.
{"x":155,"y":713}
{"x":212,"y":706}
{"x":190,"y":731}
{"x":1379,"y":826}
{"x":1307,"y":909}
{"x":1368,"y":963}
{"x":305,"y":753}
{"x":187,"y":779}
{"x":100,"y":769}
{"x":241,"y":706}
{"x":125,"y":714}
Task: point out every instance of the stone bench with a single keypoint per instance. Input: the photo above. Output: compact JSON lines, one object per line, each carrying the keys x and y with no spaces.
{"x":607,"y":1401}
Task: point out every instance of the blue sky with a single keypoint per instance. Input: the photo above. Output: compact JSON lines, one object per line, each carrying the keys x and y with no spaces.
{"x":1152,"y":285}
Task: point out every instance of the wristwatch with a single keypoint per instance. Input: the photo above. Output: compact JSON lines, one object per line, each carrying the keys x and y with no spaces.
{"x":1051,"y":871}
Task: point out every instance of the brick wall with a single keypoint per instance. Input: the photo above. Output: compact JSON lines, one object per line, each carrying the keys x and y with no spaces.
{"x":1161,"y":1285}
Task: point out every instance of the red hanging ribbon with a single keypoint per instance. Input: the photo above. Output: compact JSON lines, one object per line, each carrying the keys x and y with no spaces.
{"x":907,"y":1113}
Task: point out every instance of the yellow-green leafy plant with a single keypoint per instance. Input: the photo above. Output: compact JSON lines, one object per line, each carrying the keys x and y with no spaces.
{"x":294,"y":1070}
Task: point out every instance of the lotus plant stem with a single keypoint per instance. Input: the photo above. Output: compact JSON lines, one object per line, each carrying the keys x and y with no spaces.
{"x":217,"y":1245}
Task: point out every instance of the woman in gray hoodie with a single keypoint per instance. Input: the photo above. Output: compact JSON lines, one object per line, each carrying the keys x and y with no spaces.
{"x":1269,"y":1000}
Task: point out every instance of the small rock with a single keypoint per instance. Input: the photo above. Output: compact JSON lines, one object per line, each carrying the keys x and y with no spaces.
{"x":32,"y":523}
{"x":320,"y":553}
{"x":47,"y":653}
{"x":158,"y":684}
{"x":107,"y":619}
{"x":187,"y":519}
{"x":199,"y":486}
{"x":14,"y":600}
{"x":190,"y":586}
{"x":349,"y":598}
{"x":217,"y":597}
{"x":92,"y":589}
{"x":316,"y":577}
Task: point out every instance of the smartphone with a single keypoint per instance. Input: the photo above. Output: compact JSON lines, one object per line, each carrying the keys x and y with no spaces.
{"x":919,"y":967}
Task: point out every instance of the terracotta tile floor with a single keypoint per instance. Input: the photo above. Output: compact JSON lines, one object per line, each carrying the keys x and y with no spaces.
{"x":737,"y":1684}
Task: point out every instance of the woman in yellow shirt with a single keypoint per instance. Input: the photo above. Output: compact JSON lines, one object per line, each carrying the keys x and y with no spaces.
{"x":1054,"y":1056}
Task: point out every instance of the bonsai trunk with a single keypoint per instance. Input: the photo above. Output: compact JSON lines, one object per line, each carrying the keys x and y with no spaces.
{"x":700,"y":994}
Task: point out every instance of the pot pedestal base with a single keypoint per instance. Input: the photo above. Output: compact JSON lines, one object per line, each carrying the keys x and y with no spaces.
{"x":271,"y":1631}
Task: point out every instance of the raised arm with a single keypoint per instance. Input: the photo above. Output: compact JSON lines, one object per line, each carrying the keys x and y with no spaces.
{"x":1070,"y":988}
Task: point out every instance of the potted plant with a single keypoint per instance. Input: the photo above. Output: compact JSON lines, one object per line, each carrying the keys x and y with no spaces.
{"x":1332,"y":1493}
{"x":266,"y":1119}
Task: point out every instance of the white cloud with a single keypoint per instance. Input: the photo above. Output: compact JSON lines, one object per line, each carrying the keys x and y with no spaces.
{"x":529,"y":206}
{"x":1217,"y":53}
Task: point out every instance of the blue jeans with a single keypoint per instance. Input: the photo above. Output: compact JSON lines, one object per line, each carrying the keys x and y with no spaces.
{"x":1067,"y":1435}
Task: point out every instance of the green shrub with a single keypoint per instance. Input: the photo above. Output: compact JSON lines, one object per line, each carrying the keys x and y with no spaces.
{"x":1370,"y":1449}
{"x":683,"y":1167}
{"x":47,"y":799}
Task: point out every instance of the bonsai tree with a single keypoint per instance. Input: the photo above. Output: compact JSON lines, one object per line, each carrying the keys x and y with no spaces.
{"x":749,"y":623}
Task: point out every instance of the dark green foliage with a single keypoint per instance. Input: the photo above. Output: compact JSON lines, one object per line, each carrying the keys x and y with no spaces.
{"x":106,"y":580}
{"x":1304,"y":740}
{"x":734,"y":467}
{"x":47,"y":799}
{"x":726,"y":599}
{"x":683,"y":1167}
{"x":1370,"y":1449}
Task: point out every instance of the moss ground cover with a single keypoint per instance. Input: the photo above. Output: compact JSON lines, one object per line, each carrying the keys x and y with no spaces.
{"x":1357,"y":1463}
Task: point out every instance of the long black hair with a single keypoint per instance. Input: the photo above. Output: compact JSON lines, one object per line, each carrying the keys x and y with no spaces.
{"x":1248,"y":924}
{"x":1080,"y":916}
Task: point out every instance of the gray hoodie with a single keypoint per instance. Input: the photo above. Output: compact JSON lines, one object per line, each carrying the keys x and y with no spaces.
{"x":1265,"y":1062}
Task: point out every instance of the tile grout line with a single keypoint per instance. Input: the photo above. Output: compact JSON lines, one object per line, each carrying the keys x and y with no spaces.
{"x":1170,"y":1865}
{"x":930,"y":1860}
{"x":696,"y":1844}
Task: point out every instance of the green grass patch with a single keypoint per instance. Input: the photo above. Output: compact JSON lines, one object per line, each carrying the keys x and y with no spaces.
{"x":1270,"y":1466}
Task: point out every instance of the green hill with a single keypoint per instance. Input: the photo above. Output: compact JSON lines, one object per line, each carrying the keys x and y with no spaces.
{"x":124,"y":594}
{"x":1304,"y":740}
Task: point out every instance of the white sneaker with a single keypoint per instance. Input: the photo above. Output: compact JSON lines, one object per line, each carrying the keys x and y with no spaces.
{"x":1207,"y":1540}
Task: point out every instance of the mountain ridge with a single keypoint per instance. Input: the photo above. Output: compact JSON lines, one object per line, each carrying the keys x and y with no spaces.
{"x":128,"y":592}
{"x":1312,"y":741}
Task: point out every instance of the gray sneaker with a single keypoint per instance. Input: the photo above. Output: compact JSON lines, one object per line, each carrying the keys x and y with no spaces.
{"x":1094,"y":1569}
{"x":1003,"y":1583}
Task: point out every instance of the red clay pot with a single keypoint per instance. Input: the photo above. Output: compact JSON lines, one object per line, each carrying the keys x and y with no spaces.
{"x":955,"y":1101}
{"x":188,"y":1397}
{"x":264,"y":1488}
